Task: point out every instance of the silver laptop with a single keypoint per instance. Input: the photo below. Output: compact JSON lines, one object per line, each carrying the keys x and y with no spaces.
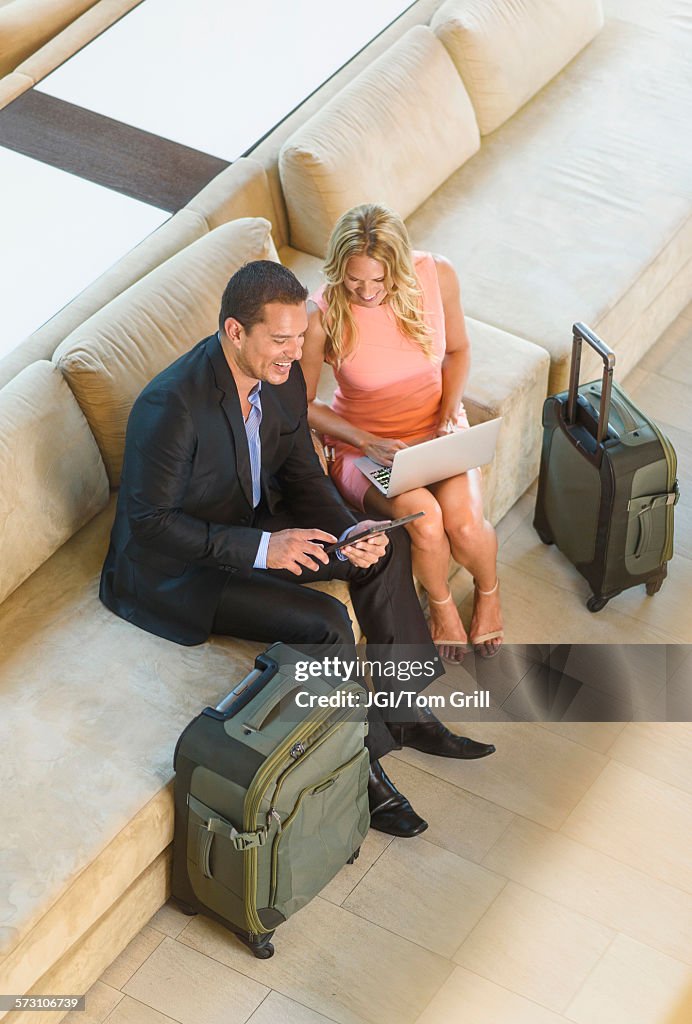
{"x":431,"y":461}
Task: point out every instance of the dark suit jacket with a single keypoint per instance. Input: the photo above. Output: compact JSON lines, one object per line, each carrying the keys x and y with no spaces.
{"x":184,"y":516}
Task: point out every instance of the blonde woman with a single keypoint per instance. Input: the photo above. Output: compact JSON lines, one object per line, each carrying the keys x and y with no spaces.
{"x":390,"y":324}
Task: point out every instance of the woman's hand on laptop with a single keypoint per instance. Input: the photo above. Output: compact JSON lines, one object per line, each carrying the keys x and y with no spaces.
{"x":447,"y":426}
{"x":381,"y":449}
{"x":365,"y":553}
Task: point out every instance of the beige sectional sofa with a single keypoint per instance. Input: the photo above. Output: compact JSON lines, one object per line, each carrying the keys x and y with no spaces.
{"x":552,"y":208}
{"x":38,"y":35}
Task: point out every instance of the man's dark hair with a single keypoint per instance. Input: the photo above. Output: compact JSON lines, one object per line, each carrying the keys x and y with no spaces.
{"x":253,"y":286}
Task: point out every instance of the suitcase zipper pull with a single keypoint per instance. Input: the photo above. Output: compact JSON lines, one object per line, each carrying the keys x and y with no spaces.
{"x":297,"y":750}
{"x":271,"y":813}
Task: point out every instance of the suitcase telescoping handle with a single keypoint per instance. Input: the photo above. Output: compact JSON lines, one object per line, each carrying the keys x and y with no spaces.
{"x":580,"y":332}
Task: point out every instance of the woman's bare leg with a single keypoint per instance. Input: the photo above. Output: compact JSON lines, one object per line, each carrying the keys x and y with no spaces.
{"x":474,"y":545}
{"x":430,"y":553}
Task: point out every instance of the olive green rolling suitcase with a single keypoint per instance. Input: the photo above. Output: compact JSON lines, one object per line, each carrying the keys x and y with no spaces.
{"x":270,"y":799}
{"x":607,"y":484}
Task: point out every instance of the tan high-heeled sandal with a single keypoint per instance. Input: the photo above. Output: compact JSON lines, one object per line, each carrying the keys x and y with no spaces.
{"x":480,"y":641}
{"x":461,"y":646}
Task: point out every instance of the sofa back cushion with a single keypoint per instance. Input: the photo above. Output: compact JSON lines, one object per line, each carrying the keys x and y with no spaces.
{"x":109,"y":358}
{"x":53,"y":477}
{"x":506,"y":51}
{"x":393,"y":135}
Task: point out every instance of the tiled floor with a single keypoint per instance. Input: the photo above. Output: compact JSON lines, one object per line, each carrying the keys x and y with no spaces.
{"x":554,"y":884}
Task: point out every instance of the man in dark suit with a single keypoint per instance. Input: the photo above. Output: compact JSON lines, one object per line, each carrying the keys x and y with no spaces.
{"x":224,"y":508}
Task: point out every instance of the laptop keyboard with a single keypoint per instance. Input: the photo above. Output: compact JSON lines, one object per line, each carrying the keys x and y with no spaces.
{"x":382,"y":476}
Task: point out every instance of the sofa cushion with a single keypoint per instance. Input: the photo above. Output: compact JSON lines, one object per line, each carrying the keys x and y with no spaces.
{"x":109,"y":359}
{"x":391,"y":136}
{"x":505,"y":52}
{"x":53,"y":477}
{"x":580,"y":206}
{"x":241,"y":190}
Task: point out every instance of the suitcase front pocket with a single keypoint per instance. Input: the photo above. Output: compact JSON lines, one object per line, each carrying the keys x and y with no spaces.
{"x":648,"y":528}
{"x":327,"y":824}
{"x":215,"y":851}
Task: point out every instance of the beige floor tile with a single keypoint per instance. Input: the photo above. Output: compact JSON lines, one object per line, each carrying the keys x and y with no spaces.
{"x":664,"y":399}
{"x":537,"y":611}
{"x":99,"y":1001}
{"x":534,"y":946}
{"x":335,"y":963}
{"x":671,"y":356}
{"x":169,"y":920}
{"x":663,"y":750}
{"x":552,"y":695}
{"x":468,"y":997}
{"x":498,"y":676}
{"x":132,"y":957}
{"x":458,"y":821}
{"x":521,"y":510}
{"x":630,"y":673}
{"x":669,"y":609}
{"x":533,"y":772}
{"x":634,"y":984}
{"x":598,"y":736}
{"x":679,"y":691}
{"x":634,"y":379}
{"x":594,"y":884}
{"x":666,"y":614}
{"x":425,"y":894}
{"x":350,"y":875}
{"x":131,"y":1011}
{"x":278,"y":1009}
{"x":182,"y":983}
{"x":638,"y":820}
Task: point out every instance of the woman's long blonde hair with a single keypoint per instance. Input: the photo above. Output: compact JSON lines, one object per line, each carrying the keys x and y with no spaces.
{"x":374,"y":231}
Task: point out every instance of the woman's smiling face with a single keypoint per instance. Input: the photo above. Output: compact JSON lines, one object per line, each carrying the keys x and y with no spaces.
{"x":364,"y":281}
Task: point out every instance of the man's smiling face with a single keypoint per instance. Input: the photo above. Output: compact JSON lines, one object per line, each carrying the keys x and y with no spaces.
{"x":267,"y":350}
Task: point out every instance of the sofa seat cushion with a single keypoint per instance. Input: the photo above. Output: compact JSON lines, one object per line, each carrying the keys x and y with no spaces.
{"x":392,"y":135}
{"x":90,"y":711}
{"x":53,"y":477}
{"x":579,"y":207}
{"x":505,"y":52}
{"x":116,"y":352}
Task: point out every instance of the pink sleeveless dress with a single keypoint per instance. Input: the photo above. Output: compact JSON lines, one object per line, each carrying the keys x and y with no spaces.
{"x":388,"y":386}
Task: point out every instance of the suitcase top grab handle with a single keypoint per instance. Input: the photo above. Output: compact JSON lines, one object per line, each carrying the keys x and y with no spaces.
{"x":264,"y":670}
{"x":580,"y":332}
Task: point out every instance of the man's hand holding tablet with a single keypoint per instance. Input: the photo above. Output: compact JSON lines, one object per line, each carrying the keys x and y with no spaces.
{"x":369,"y":535}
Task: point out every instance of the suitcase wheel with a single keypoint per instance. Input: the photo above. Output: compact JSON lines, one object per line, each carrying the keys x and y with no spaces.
{"x":184,"y":907}
{"x":653,"y":586}
{"x":263,"y":952}
{"x":258,"y":944}
{"x":596,"y":604}
{"x":545,"y":537}
{"x":354,"y":856}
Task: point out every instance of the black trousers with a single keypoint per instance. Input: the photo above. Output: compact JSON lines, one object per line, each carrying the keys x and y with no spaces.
{"x":273,"y":605}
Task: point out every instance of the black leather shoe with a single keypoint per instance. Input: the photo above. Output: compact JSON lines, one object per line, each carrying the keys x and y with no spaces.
{"x":432,"y":737}
{"x":390,"y":811}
